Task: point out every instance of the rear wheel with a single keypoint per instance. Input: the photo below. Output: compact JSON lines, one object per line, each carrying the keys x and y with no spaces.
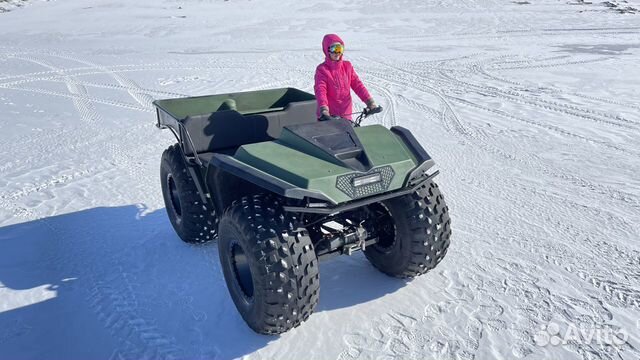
{"x":413,"y":233}
{"x":269,"y":264}
{"x":193,"y":220}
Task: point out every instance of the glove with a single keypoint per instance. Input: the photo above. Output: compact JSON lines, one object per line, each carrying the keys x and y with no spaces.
{"x":325,"y":117}
{"x":324,"y":114}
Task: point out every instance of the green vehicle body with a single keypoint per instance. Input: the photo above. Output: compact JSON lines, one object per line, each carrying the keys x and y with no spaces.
{"x":287,"y":151}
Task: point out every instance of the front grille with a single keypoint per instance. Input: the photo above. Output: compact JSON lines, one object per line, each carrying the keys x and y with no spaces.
{"x":345,"y":183}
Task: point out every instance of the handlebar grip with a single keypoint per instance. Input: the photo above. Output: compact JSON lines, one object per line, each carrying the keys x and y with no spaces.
{"x":375,"y":110}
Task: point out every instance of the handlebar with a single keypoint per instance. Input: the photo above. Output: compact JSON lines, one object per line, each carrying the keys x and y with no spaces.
{"x":366,"y":112}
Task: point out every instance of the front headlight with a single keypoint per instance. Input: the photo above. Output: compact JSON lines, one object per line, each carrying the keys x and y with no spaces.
{"x":366,"y":180}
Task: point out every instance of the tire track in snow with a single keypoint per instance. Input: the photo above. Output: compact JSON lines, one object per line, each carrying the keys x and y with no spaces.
{"x":44,"y":75}
{"x":136,"y":92}
{"x":90,"y":70}
{"x":85,"y":108}
{"x":496,"y":62}
{"x":80,"y":98}
{"x":90,"y":116}
{"x":509,"y":95}
{"x":608,"y":101}
{"x":111,"y":297}
{"x":95,"y":85}
{"x":576,"y":253}
{"x":113,"y":307}
{"x":130,"y":68}
{"x":480,"y":70}
{"x":53,"y":144}
{"x":83,"y":100}
{"x":478,"y":67}
{"x":431,"y":90}
{"x":515,"y":34}
{"x":55,"y":181}
{"x":431,"y":112}
{"x":478,"y":294}
{"x":617,"y":267}
{"x":41,"y":143}
{"x":453,"y":124}
{"x":116,"y":307}
{"x":560,"y":64}
{"x":389,"y":117}
{"x":126,"y":70}
{"x":449,"y":118}
{"x":580,"y":183}
{"x":552,"y":128}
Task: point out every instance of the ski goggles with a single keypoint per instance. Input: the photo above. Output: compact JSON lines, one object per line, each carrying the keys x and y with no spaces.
{"x":336,"y":49}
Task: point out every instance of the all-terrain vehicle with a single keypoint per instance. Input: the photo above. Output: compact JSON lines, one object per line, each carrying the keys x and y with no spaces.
{"x":281,"y":190}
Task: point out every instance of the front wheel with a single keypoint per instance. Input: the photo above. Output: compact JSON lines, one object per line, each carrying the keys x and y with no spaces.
{"x":413,"y":233}
{"x":269,"y":264}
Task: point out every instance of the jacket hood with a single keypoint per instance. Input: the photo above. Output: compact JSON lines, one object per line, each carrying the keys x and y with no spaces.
{"x":326,"y":42}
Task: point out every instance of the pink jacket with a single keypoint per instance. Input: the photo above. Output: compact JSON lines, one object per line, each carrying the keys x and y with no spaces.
{"x":334,"y":81}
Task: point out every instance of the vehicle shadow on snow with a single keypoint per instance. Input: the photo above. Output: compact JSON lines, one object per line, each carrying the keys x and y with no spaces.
{"x":117,"y":281}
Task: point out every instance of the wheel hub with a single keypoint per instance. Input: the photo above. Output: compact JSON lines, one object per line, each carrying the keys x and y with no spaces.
{"x":173,"y":195}
{"x":241,"y":270}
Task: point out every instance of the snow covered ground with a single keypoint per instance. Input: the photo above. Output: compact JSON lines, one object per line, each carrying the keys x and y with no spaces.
{"x":530,"y":109}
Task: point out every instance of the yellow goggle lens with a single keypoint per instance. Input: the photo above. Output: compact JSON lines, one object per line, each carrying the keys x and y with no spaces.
{"x":336,"y":49}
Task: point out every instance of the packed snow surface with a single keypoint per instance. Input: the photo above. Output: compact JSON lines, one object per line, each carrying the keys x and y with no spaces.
{"x":530,"y":109}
